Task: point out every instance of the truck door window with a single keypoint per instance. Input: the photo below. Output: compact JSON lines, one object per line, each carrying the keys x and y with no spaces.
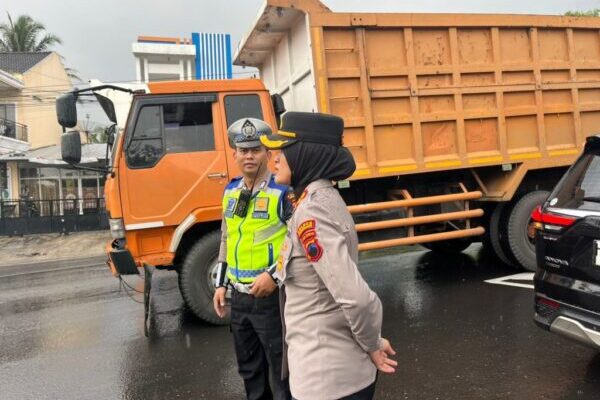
{"x":242,"y":106}
{"x":188,"y":127}
{"x":146,"y":146}
{"x":171,"y":127}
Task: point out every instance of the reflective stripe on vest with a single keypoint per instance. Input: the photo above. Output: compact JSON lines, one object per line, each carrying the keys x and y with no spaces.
{"x":253,"y":242}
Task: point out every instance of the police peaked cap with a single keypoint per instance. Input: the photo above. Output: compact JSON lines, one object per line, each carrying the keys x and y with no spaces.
{"x":246,"y":132}
{"x":306,"y":127}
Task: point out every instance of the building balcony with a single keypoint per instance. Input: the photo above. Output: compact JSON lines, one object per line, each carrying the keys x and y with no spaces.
{"x":13,"y":136}
{"x":13,"y":130}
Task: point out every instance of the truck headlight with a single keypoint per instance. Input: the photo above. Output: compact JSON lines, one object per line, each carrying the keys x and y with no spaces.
{"x":117,"y":230}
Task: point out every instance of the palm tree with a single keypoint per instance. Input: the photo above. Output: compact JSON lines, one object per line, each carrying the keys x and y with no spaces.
{"x":22,"y":35}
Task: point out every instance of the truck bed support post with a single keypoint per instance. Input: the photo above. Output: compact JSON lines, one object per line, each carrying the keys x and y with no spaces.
{"x":148,"y":271}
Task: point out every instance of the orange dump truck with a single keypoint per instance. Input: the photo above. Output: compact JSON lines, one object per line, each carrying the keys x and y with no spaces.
{"x":486,"y":108}
{"x":459,"y":125}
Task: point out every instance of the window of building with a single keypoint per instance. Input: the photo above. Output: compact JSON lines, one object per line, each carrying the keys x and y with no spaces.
{"x":61,"y":190}
{"x":5,"y":182}
{"x":7,"y":120}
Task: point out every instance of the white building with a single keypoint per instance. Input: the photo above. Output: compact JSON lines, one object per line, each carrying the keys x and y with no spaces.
{"x":204,"y":56}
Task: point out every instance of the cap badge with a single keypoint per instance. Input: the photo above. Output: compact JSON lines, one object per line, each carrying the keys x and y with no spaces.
{"x":248,"y":129}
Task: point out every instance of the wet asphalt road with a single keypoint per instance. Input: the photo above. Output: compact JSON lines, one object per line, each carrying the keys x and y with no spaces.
{"x":67,"y":332}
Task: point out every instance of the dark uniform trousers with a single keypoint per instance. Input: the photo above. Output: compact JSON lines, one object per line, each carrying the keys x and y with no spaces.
{"x":258,"y":339}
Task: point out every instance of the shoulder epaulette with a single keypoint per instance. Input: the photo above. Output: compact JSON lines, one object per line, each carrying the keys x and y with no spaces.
{"x":234,"y":182}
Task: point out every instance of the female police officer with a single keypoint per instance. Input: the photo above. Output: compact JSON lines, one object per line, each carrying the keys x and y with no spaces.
{"x":332,"y":319}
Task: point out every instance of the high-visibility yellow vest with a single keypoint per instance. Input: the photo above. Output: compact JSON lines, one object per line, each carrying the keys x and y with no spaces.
{"x":253,"y":242}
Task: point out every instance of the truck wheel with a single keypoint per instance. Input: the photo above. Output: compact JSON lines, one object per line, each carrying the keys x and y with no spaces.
{"x":452,"y":246}
{"x":196,"y":279}
{"x":496,"y":234}
{"x":521,"y":246}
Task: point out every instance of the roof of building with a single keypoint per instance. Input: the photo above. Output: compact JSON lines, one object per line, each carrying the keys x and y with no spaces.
{"x":20,"y":62}
{"x":10,"y":81}
{"x":51,"y":155}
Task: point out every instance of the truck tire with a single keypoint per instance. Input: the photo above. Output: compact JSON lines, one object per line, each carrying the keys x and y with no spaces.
{"x":496,"y":233}
{"x":453,"y":246}
{"x":522,"y":248}
{"x":196,"y":279}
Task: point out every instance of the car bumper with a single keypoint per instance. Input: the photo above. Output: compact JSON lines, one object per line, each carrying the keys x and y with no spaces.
{"x":572,"y":322}
{"x":575,"y":330}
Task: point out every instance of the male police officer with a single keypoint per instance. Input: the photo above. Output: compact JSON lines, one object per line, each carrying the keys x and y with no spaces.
{"x":255,"y":211}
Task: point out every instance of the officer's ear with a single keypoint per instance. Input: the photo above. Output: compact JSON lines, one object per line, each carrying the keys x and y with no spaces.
{"x":269,"y":154}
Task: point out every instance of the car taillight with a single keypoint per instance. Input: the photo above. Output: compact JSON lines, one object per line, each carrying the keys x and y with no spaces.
{"x":548,"y":303}
{"x":553,"y":222}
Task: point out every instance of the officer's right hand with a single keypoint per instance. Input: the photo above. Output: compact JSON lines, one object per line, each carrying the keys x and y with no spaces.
{"x":381,"y":360}
{"x":219,"y":301}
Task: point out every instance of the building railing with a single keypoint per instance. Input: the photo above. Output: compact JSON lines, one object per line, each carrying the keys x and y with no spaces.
{"x":13,"y":130}
{"x":48,"y":208}
{"x":29,"y":216}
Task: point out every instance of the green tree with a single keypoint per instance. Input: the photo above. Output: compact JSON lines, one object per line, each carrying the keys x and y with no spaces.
{"x":98,"y":135}
{"x":589,"y":13}
{"x":24,"y":35}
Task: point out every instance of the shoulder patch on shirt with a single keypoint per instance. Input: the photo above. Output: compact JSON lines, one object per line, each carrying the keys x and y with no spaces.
{"x":307,"y":235}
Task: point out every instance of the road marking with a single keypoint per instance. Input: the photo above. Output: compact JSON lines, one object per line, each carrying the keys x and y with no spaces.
{"x":506,"y":280}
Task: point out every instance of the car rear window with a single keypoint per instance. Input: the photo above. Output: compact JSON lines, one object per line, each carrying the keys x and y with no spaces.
{"x":579,"y":189}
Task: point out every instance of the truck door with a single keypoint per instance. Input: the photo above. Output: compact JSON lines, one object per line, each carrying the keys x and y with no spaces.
{"x":174,"y":160}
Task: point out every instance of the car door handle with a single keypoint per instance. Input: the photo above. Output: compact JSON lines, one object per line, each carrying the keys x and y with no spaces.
{"x":217,"y":175}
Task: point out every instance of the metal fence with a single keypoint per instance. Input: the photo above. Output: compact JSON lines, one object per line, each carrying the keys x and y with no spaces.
{"x":13,"y":130}
{"x":29,"y":216}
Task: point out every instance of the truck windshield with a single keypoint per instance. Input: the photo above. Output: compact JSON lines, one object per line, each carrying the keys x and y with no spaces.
{"x":579,"y":189}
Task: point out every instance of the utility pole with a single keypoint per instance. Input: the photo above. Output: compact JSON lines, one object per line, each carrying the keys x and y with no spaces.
{"x":87,"y":126}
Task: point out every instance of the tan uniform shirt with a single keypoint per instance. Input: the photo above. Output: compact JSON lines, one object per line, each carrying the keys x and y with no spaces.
{"x":332,"y":317}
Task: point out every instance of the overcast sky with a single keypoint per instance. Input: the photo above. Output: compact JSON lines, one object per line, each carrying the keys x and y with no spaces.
{"x":97,"y":34}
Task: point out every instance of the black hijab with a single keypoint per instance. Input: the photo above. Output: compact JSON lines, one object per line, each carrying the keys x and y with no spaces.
{"x":313,"y":161}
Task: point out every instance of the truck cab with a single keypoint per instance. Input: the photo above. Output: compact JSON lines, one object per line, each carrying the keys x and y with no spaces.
{"x":167,"y":173}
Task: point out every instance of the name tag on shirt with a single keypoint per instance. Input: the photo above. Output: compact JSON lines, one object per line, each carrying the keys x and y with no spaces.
{"x":230,"y":208}
{"x":260,"y":215}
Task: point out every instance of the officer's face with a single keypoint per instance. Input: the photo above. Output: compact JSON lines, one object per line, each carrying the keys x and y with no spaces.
{"x":283,"y":173}
{"x":250,"y":160}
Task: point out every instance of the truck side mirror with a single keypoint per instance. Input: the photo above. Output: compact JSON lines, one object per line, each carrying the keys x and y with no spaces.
{"x":70,"y":147}
{"x":66,"y":110}
{"x":278,"y":106}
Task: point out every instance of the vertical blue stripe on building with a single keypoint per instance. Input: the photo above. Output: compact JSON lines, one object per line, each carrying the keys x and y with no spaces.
{"x":210,"y":57}
{"x":221,"y":57}
{"x":228,"y":56}
{"x":213,"y":55}
{"x":218,"y":56}
{"x":211,"y":74}
{"x":196,"y":41}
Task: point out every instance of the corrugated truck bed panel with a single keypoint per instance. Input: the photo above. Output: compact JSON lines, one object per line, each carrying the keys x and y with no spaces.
{"x":422,"y":92}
